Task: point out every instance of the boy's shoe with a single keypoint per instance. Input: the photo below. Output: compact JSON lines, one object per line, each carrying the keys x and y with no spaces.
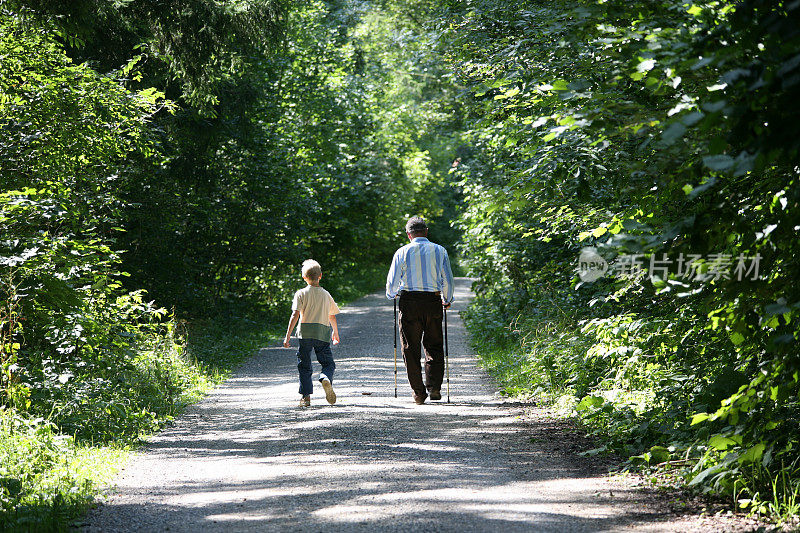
{"x":420,"y":399}
{"x":436,"y":394}
{"x":329,"y":394}
{"x":305,"y":401}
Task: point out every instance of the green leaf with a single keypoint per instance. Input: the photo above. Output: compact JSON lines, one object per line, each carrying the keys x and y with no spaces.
{"x":721,"y":442}
{"x":646,"y":65}
{"x":719,"y":163}
{"x":753,"y":455}
{"x":700,"y":189}
{"x":705,"y":474}
{"x":593,"y":452}
{"x":659,"y":454}
{"x":778,"y":308}
{"x":590,"y":402}
{"x":507,"y":94}
{"x":673,"y":132}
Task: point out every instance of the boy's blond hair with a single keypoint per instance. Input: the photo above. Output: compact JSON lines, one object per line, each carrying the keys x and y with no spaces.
{"x":311,"y":270}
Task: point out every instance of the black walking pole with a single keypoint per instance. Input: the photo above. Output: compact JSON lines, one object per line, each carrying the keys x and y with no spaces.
{"x":395,"y":347}
{"x":446,"y":355}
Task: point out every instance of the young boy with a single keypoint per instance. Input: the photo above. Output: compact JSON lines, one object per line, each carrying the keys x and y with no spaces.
{"x":317,"y":311}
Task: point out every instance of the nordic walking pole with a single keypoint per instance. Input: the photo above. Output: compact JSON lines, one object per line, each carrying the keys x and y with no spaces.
{"x":395,"y":347}
{"x":446,"y":355}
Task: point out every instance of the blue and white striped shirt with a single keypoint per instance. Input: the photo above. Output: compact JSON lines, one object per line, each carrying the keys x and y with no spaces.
{"x":420,"y":266}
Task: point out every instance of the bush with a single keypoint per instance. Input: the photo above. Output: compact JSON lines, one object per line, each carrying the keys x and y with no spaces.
{"x":46,"y":479}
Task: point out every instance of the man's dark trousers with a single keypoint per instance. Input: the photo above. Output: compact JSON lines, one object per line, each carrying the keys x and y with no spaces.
{"x":421,"y":323}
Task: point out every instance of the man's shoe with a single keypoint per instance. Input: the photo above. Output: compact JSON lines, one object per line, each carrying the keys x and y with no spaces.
{"x":436,"y":394}
{"x":420,"y":399}
{"x":329,"y":394}
{"x":305,"y":401}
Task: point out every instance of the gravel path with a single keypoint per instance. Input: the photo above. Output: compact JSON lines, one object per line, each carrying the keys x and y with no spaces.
{"x":247,"y":458}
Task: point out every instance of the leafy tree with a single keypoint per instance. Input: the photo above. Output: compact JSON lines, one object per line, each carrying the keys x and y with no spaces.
{"x":645,"y":128}
{"x":68,"y":133}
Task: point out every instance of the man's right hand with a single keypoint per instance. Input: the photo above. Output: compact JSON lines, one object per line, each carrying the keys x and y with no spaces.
{"x":447,"y":305}
{"x":286,"y":343}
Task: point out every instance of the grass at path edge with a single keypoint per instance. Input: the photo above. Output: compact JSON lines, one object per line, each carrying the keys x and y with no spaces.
{"x":48,"y":479}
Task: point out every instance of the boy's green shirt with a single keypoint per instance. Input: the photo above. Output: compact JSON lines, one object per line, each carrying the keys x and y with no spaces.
{"x":316,"y":305}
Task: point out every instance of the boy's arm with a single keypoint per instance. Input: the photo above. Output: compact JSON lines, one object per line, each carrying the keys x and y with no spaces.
{"x":292,"y":323}
{"x":335,"y":327}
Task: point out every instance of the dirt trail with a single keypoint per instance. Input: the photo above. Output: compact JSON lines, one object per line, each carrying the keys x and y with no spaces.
{"x":248,"y":459}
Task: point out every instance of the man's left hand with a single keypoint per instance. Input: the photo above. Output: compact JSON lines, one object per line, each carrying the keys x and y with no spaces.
{"x":447,"y":305}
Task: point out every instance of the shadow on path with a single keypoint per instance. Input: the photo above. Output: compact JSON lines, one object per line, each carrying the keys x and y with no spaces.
{"x":247,"y":459}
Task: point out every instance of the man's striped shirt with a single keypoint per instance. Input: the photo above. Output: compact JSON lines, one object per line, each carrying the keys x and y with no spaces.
{"x":420,"y":266}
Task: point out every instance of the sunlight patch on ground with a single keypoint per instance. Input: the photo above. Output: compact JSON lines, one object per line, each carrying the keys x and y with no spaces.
{"x":426,"y":447}
{"x":501,"y":420}
{"x":243,"y":517}
{"x":515,"y":502}
{"x":200,"y":499}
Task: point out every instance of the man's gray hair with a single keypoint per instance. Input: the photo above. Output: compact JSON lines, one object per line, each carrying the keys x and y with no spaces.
{"x":311,"y":270}
{"x":415,"y":225}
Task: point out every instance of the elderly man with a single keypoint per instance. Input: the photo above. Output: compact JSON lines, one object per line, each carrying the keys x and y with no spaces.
{"x":421,"y":275}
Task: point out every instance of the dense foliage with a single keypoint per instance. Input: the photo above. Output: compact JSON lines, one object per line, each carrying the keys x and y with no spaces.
{"x":187,"y":157}
{"x":664,"y":135}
